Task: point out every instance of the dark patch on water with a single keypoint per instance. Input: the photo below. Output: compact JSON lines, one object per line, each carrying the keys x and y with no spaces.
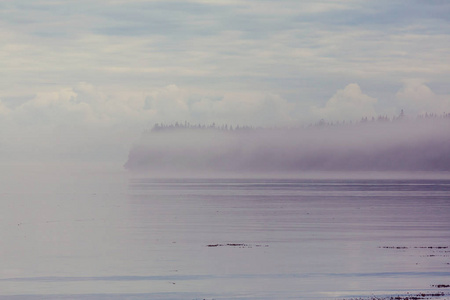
{"x":401,"y":247}
{"x":239,"y":245}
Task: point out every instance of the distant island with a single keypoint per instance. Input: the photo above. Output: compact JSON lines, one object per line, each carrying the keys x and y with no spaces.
{"x":371,"y":144}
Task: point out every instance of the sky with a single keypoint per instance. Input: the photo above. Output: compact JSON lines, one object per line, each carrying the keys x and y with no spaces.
{"x":82,"y":79}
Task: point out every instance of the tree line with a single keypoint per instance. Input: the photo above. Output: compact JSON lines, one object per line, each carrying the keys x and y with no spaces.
{"x":158,"y":127}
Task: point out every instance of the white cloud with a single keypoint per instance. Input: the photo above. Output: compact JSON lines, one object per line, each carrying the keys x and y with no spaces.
{"x":88,"y":106}
{"x":239,"y":62}
{"x":171,"y":104}
{"x":58,"y":108}
{"x":4,"y":110}
{"x":417,"y":98}
{"x":296,"y":49}
{"x":87,"y":121}
{"x":347,"y":104}
{"x":251,"y":108}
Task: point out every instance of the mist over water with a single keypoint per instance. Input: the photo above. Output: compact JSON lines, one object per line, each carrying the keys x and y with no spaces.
{"x":402,"y":145}
{"x":93,"y":233}
{"x":96,"y":232}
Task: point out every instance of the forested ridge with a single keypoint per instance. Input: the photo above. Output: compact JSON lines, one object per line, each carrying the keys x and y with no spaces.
{"x":371,"y":144}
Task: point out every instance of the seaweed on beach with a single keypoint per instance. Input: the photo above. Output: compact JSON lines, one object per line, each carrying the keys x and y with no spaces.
{"x":403,"y":247}
{"x":433,"y":251}
{"x":408,"y":296}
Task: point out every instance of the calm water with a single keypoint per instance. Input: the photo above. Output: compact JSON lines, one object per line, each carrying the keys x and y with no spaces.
{"x":94,"y":233}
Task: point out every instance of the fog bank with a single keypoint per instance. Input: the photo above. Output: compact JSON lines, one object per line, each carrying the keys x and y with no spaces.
{"x":402,"y":145}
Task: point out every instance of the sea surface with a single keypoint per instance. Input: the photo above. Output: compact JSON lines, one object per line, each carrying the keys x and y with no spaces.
{"x":84,"y":232}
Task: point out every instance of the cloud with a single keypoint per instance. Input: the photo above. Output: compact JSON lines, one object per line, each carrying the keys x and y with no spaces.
{"x":87,"y":121}
{"x":4,"y":110}
{"x":64,"y":107}
{"x":82,"y":122}
{"x":347,"y":104}
{"x":417,"y":98}
{"x":171,"y":104}
{"x":245,"y":109}
{"x":86,"y":114}
{"x":87,"y":105}
{"x":281,"y":47}
{"x":239,"y":62}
